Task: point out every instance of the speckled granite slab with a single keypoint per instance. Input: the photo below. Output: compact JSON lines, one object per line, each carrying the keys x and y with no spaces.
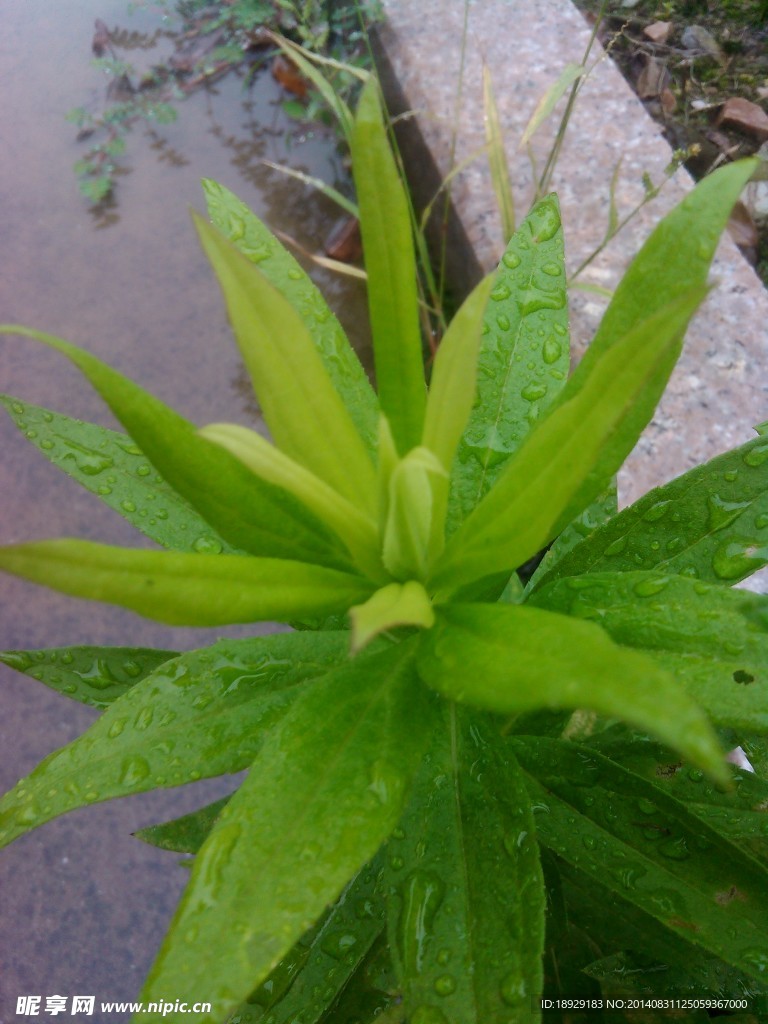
{"x":720,"y":388}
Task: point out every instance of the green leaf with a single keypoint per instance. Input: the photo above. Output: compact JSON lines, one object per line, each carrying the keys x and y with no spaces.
{"x":626,"y":835}
{"x":324,"y":793}
{"x":111,"y":466}
{"x":200,"y":715}
{"x":247,"y":512}
{"x":738,"y":813}
{"x":183,"y":589}
{"x":571,"y":73}
{"x":301,"y":407}
{"x":298,"y":55}
{"x":611,"y":923}
{"x":418,"y":486}
{"x":497,"y":158}
{"x":96,"y":676}
{"x":467,"y":917}
{"x":391,"y":267}
{"x":674,"y":260}
{"x":257,"y":243}
{"x":331,"y":956}
{"x":523,"y":659}
{"x":520,"y":369}
{"x":398,"y":604}
{"x":713,"y":640}
{"x":709,"y":523}
{"x":571,"y":457}
{"x":185,"y":834}
{"x":355,"y":530}
{"x":453,"y":387}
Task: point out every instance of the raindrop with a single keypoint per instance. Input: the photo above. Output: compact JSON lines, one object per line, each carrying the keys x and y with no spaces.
{"x":386,"y":782}
{"x":512,"y":989}
{"x":500,"y":292}
{"x":127,"y":506}
{"x":143,"y":470}
{"x":104,"y":489}
{"x":650,"y":587}
{"x":116,"y":728}
{"x":445,"y":985}
{"x":657,"y":511}
{"x":722,"y":513}
{"x":761,"y":521}
{"x":509,"y":259}
{"x":545,"y":221}
{"x":144,"y":718}
{"x":443,"y":956}
{"x":534,"y":391}
{"x":731,"y":475}
{"x":422,"y":895}
{"x":134,"y":771}
{"x":338,"y":944}
{"x":206,"y":545}
{"x":737,"y":557}
{"x":551,"y":269}
{"x":294,"y":274}
{"x":617,"y":546}
{"x":46,"y":445}
{"x":503,"y":322}
{"x":674,"y":848}
{"x":756,"y":958}
{"x":757,"y":455}
{"x":552,"y":350}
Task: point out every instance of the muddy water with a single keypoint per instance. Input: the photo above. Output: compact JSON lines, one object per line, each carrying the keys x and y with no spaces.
{"x":83,"y":905}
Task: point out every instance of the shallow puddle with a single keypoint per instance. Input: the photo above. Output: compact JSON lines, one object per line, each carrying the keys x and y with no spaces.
{"x":84,"y":906}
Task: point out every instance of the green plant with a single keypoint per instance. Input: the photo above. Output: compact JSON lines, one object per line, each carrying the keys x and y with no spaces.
{"x":442,"y":751}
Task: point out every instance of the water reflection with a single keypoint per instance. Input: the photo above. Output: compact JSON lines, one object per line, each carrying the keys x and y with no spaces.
{"x":84,"y":906}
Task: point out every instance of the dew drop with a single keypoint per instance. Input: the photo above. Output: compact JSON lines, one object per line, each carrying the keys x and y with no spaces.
{"x":731,"y":475}
{"x":509,"y":259}
{"x":650,"y":587}
{"x":552,"y":350}
{"x":144,"y":718}
{"x":206,"y":545}
{"x":512,"y":988}
{"x":445,"y":985}
{"x":116,"y":728}
{"x":617,"y":546}
{"x":422,"y":894}
{"x":503,"y":322}
{"x":339,"y":944}
{"x":545,"y":220}
{"x":386,"y":782}
{"x":722,"y":513}
{"x":657,"y":511}
{"x":534,"y":391}
{"x":104,"y":489}
{"x":551,"y":269}
{"x":143,"y":469}
{"x":127,"y":506}
{"x":501,"y":292}
{"x":674,"y":848}
{"x":738,"y":557}
{"x":134,"y":770}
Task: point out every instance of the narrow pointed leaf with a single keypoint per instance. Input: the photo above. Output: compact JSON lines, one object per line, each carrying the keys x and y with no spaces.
{"x":710,"y":522}
{"x":713,"y":640}
{"x":467,"y":915}
{"x":676,"y":258}
{"x":182,"y":589}
{"x":324,"y":793}
{"x":391,"y":267}
{"x":398,"y":604}
{"x":417,"y":493}
{"x":649,"y":849}
{"x":738,"y":813}
{"x":571,"y":73}
{"x":96,"y":676}
{"x":185,"y":834}
{"x":520,"y":370}
{"x":299,"y":56}
{"x":257,"y":243}
{"x":332,"y":955}
{"x":523,"y":659}
{"x":111,"y":466}
{"x":453,"y":387}
{"x":304,"y":412}
{"x":614,"y":923}
{"x":572,"y":455}
{"x":497,"y":158}
{"x":201,"y":715}
{"x":247,"y":512}
{"x":355,"y":530}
